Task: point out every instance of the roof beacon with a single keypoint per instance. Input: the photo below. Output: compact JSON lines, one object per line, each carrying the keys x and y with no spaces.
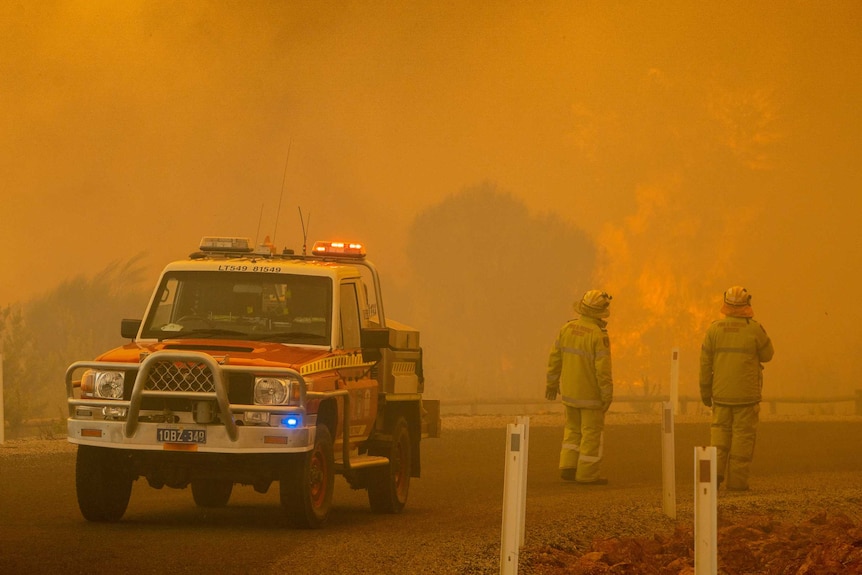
{"x":342,"y":249}
{"x":225,"y":245}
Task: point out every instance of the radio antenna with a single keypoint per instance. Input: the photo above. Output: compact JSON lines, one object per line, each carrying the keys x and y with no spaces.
{"x":259,"y":219}
{"x":283,"y":179}
{"x":304,"y":223}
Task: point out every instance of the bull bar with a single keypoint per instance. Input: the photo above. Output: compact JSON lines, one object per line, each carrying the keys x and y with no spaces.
{"x":219,"y":394}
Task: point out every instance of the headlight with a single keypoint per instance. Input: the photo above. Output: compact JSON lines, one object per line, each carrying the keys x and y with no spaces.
{"x":107,"y":384}
{"x":271,"y":390}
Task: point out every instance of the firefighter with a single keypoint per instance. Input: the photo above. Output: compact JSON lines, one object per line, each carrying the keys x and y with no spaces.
{"x":579,"y":368}
{"x":731,"y":379}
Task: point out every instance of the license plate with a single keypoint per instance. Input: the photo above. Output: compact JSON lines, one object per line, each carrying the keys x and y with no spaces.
{"x":166,"y":435}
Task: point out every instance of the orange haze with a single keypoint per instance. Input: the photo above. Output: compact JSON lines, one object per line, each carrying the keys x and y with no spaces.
{"x":699,"y":144}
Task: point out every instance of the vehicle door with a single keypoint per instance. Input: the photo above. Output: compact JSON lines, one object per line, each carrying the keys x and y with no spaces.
{"x":356,"y":378}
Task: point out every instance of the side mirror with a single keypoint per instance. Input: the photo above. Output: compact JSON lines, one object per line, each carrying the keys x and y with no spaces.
{"x":129,"y":328}
{"x":373,"y":340}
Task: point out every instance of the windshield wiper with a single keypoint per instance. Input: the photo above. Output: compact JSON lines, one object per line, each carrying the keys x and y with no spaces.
{"x":289,"y":335}
{"x":205,"y":333}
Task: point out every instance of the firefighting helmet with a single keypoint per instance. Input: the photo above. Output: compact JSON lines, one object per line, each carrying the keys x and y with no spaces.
{"x":595,"y":303}
{"x":737,"y":302}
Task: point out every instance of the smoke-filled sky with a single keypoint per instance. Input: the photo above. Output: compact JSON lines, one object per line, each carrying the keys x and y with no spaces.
{"x":700,"y":144}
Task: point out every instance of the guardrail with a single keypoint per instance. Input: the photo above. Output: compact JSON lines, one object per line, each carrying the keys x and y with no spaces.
{"x":55,"y":427}
{"x":507,"y":406}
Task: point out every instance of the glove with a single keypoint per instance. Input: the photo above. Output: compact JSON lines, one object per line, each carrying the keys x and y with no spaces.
{"x":551,"y":392}
{"x":707,"y":401}
{"x":606,"y":405}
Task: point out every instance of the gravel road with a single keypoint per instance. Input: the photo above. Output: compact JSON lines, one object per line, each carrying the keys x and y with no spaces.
{"x":452,"y":522}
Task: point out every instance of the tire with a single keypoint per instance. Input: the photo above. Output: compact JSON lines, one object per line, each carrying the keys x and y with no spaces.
{"x":389,"y":485}
{"x":211,"y":492}
{"x":306,"y":483}
{"x":103,"y":482}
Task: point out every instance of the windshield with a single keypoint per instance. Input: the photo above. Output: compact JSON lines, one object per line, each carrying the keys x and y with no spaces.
{"x":285,"y":308}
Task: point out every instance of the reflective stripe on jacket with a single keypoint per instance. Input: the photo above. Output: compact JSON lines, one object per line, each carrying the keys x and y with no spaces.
{"x":580,"y":362}
{"x":730,"y":361}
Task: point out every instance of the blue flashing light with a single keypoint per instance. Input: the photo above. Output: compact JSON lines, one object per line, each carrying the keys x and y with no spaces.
{"x":291,"y":421}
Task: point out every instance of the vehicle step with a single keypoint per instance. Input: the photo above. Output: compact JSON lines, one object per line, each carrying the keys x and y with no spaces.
{"x":360,"y":461}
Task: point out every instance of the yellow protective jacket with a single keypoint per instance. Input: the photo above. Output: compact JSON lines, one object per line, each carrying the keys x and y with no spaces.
{"x":730,"y":361}
{"x":580,"y":364}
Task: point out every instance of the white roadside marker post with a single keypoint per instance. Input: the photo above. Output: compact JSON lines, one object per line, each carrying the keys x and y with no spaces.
{"x":514,"y":497}
{"x":668,"y":444}
{"x":2,"y":407}
{"x":674,"y":378}
{"x":668,"y":461}
{"x":705,"y":523}
{"x":525,"y":453}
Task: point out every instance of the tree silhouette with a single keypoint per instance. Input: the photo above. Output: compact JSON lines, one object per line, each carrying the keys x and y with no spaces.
{"x":16,"y":344}
{"x":78,"y":320}
{"x":491,"y":286}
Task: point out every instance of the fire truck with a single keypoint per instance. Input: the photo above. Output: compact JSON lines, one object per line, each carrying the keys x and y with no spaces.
{"x":252,"y":367}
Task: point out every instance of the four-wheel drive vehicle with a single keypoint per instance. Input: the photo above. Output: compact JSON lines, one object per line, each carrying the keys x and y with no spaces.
{"x":251,"y":367}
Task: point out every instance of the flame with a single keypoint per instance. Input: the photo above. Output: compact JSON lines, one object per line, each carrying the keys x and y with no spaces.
{"x":666,"y":276}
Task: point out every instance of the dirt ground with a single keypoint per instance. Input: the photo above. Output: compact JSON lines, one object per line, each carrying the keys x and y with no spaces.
{"x":802,"y":516}
{"x":824,"y":544}
{"x":763,"y":532}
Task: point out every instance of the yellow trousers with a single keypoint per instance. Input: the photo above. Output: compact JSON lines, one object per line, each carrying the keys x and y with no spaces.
{"x":582,"y":442}
{"x":733,"y":433}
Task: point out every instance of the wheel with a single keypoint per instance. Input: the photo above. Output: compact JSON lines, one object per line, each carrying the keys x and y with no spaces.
{"x":307,"y":481}
{"x":388,"y":485}
{"x":211,"y":492}
{"x":103,"y":483}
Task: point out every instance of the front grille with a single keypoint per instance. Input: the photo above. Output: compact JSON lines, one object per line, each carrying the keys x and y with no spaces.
{"x":180,"y":376}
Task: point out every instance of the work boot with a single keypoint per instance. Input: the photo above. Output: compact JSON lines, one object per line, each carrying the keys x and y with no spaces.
{"x":599,"y":481}
{"x":568,"y":474}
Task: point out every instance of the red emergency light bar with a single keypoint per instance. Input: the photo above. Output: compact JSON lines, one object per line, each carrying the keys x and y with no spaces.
{"x":342,"y":249}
